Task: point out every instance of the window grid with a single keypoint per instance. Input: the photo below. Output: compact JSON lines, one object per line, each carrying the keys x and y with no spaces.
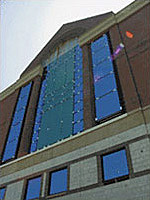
{"x":16,"y":125}
{"x":107,"y":99}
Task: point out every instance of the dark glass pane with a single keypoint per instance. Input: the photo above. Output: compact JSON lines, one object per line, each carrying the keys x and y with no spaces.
{"x":58,"y":182}
{"x":115,"y":165}
{"x":33,"y":188}
{"x":107,"y":105}
{"x":2,"y":193}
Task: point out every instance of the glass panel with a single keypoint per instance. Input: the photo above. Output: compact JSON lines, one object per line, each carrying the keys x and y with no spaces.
{"x":60,"y":96}
{"x":106,"y":101}
{"x":78,"y":127}
{"x":78,"y":92}
{"x":107,"y":105}
{"x":58,"y":181}
{"x":115,"y":165}
{"x":15,"y":130}
{"x":33,"y":188}
{"x":2,"y":193}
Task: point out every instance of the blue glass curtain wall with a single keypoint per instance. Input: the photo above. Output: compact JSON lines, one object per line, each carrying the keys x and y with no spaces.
{"x":15,"y":129}
{"x":60,"y":108}
{"x":106,"y":94}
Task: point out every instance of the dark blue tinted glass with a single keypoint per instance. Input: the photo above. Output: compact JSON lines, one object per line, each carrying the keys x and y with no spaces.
{"x":115,"y":165}
{"x":58,"y":182}
{"x":33,"y":188}
{"x":106,"y":101}
{"x":2,"y":193}
{"x":15,"y":130}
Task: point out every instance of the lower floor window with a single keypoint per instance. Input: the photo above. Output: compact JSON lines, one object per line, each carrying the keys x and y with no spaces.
{"x":33,"y":188}
{"x":2,"y":193}
{"x":58,"y":181}
{"x":115,"y":165}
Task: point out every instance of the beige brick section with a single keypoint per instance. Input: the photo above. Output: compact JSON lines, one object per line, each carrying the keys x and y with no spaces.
{"x":83,"y":173}
{"x":140,"y":155}
{"x":14,"y":191}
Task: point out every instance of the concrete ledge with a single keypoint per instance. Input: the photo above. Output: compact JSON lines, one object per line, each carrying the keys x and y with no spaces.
{"x":22,"y":81}
{"x":115,"y":18}
{"x":95,"y":134}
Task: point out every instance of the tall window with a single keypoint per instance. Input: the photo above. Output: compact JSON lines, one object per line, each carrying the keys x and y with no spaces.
{"x":16,"y":126}
{"x":2,"y":193}
{"x":106,"y":92}
{"x":60,"y":107}
{"x":33,"y":188}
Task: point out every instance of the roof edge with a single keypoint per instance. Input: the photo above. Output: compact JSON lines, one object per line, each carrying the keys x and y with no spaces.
{"x":112,"y":20}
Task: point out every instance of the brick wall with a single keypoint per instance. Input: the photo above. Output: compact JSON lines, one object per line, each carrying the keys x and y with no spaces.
{"x":7,"y":107}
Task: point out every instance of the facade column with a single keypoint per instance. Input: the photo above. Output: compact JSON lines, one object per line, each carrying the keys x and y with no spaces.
{"x":88,"y":89}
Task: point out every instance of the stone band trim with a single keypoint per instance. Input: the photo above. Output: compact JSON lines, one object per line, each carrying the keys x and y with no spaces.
{"x":97,"y":133}
{"x":100,"y":182}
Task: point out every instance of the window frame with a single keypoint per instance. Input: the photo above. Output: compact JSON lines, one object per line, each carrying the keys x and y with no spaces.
{"x":116,"y":179}
{"x":26,"y":186}
{"x":49,"y":175}
{"x":118,"y":84}
{"x":23,"y":121}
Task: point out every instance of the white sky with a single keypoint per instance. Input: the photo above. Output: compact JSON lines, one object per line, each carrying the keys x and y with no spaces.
{"x":27,"y":25}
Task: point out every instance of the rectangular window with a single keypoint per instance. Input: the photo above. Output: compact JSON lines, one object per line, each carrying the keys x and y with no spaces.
{"x":115,"y":165}
{"x":58,"y":181}
{"x":16,"y":126}
{"x":33,"y":188}
{"x":107,"y":100}
{"x":2,"y":193}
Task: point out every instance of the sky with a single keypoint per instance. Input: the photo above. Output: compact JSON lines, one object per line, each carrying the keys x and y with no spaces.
{"x":27,"y":25}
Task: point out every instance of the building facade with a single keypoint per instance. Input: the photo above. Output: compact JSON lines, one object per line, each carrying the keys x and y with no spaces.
{"x":76,"y":124}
